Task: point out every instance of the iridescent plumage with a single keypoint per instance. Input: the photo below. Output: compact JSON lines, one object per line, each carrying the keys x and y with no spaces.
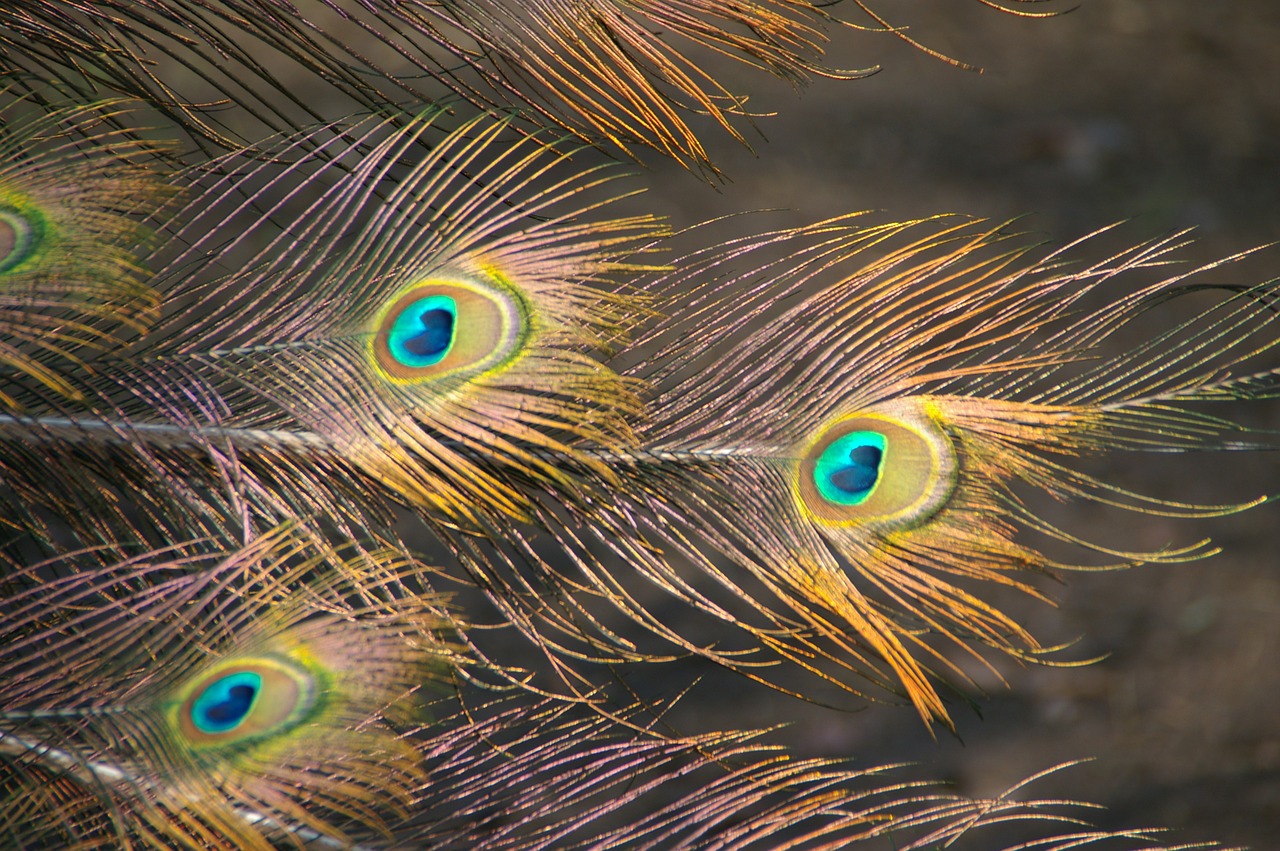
{"x":288,"y":694}
{"x":857,"y":454}
{"x":71,"y":191}
{"x":194,"y":699}
{"x":867,"y":458}
{"x":318,"y":353}
{"x":831,"y":441}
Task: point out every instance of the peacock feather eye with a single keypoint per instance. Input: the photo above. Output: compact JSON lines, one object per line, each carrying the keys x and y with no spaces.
{"x":443,"y":328}
{"x":893,"y":468}
{"x":20,"y":234}
{"x":244,"y":699}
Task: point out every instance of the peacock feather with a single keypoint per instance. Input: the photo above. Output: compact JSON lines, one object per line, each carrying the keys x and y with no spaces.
{"x":70,"y":190}
{"x":196,"y":699}
{"x":629,"y":74}
{"x":869,"y":459}
{"x":281,"y":695}
{"x":440,"y":355}
{"x":461,"y":348}
{"x":832,"y":440}
{"x":873,"y":455}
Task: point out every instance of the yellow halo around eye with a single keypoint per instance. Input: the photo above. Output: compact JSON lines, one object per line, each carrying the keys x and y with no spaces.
{"x":887,"y":468}
{"x":439,"y":328}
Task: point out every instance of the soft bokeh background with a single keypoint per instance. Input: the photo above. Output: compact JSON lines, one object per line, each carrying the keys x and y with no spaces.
{"x":1165,"y":112}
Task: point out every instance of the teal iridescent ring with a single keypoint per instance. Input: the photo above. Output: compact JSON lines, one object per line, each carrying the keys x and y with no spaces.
{"x":849,"y":469}
{"x":886,"y":467}
{"x":443,"y":328}
{"x":423,"y":333}
{"x":226,"y":702}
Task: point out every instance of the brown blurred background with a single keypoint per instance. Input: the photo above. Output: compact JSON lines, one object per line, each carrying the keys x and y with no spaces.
{"x":1165,"y":112}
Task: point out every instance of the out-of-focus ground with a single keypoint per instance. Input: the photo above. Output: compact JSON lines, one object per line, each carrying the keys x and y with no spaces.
{"x":1166,"y":112}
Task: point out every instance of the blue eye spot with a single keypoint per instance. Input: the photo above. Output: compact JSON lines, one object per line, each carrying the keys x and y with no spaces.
{"x":424,"y":332}
{"x":849,"y":469}
{"x":226,"y":702}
